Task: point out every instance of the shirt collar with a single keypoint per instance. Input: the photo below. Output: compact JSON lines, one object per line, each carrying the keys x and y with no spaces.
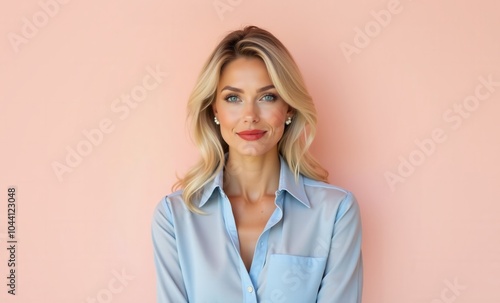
{"x":286,"y":183}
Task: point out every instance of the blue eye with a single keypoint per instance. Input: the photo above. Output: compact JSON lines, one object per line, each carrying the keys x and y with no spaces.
{"x":231,"y":98}
{"x":269,"y":97}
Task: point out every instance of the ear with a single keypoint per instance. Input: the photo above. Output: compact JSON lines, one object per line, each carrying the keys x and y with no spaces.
{"x":290,"y":112}
{"x":214,"y":109}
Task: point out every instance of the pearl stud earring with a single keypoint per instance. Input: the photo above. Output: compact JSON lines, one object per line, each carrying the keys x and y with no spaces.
{"x":216,"y":120}
{"x":288,"y":121}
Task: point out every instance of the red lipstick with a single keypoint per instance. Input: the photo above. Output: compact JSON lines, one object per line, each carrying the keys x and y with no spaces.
{"x":251,"y":135}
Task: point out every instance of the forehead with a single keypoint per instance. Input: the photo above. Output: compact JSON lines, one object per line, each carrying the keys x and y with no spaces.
{"x":245,"y":71}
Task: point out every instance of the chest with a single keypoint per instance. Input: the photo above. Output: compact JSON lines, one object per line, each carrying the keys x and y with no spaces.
{"x":251,"y":219}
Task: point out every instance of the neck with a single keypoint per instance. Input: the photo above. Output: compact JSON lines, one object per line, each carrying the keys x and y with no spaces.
{"x":252,"y":178}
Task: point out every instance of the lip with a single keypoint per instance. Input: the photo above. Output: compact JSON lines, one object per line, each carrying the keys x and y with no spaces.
{"x":251,"y":135}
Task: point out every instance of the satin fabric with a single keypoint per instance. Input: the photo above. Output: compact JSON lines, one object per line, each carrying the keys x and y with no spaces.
{"x":309,"y":251}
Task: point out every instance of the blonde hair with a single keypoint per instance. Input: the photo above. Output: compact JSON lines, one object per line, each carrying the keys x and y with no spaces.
{"x":287,"y":79}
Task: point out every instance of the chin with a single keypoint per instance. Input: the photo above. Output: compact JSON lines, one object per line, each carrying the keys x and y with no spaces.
{"x":253,"y":152}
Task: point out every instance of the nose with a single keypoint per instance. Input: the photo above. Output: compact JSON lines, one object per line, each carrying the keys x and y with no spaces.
{"x":251,"y":113}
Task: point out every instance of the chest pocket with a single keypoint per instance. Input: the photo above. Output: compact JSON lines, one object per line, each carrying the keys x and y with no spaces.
{"x":293,"y":279}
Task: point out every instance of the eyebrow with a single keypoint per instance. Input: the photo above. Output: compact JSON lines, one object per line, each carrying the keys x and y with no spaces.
{"x":238,"y":90}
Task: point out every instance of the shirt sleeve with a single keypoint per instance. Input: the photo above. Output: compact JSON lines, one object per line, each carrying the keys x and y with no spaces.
{"x":169,"y":283}
{"x":343,"y":278}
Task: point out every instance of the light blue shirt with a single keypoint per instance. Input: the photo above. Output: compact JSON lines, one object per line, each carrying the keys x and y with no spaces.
{"x":309,"y":251}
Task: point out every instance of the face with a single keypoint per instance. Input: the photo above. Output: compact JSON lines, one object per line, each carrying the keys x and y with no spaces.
{"x":251,"y":113}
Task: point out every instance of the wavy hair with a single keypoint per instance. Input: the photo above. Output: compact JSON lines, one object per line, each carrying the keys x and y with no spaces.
{"x":284,"y":73}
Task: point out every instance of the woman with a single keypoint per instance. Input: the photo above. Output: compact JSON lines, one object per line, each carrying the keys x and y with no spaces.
{"x":255,"y":220}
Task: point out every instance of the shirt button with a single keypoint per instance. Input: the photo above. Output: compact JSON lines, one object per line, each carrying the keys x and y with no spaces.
{"x":250,"y":289}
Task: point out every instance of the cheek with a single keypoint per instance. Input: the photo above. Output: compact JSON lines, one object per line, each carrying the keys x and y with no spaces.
{"x":227,"y":117}
{"x":276,"y":122}
{"x":277,"y":118}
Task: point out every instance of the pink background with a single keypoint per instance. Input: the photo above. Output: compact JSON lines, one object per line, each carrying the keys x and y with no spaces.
{"x":384,"y":75}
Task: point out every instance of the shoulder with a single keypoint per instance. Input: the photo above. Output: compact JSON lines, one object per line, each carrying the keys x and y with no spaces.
{"x":320,"y":193}
{"x":316,"y":187}
{"x":315,"y":184}
{"x":167,"y":204}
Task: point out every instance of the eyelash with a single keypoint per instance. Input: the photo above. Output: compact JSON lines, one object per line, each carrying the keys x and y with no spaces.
{"x":230,"y":96}
{"x":275,"y":97}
